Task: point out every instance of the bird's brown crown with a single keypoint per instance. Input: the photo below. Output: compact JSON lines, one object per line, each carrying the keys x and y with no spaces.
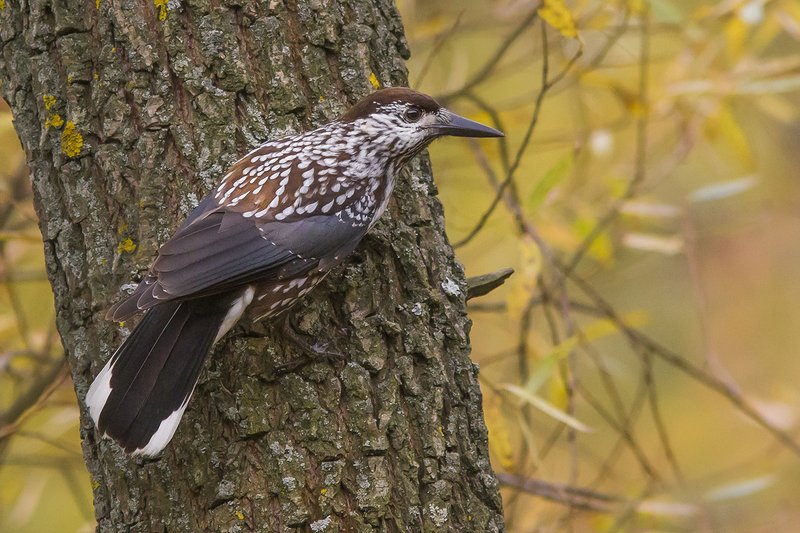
{"x":382,"y":97}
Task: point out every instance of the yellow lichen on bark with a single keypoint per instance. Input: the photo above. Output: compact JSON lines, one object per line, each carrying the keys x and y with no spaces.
{"x":71,"y":140}
{"x":162,"y":9}
{"x":54,"y":121}
{"x":126,"y":245}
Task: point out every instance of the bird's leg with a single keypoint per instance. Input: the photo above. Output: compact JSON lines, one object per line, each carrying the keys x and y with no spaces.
{"x":311,"y":352}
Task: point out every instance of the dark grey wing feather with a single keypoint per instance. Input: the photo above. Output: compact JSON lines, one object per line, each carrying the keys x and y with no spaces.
{"x":220,"y":250}
{"x":317,"y":236}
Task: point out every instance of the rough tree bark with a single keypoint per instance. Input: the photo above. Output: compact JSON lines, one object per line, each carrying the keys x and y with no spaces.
{"x":129,"y":111}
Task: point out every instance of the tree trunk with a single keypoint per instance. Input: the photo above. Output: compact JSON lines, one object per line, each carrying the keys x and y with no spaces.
{"x":129,"y":112}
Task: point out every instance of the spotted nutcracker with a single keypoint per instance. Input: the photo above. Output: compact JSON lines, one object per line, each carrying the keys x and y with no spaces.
{"x":284,"y":215}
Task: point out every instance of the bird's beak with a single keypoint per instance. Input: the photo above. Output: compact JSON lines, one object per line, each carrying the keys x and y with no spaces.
{"x":448,"y":123}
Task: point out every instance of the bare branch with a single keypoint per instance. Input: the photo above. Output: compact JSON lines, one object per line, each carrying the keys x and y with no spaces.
{"x":576,"y":497}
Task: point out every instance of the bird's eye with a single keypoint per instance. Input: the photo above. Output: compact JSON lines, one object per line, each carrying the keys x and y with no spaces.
{"x":413,"y":114}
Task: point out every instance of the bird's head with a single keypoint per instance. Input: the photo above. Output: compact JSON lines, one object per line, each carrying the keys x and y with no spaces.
{"x":403,"y":121}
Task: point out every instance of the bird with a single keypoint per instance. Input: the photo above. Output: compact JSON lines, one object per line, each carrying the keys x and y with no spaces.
{"x":282,"y":217}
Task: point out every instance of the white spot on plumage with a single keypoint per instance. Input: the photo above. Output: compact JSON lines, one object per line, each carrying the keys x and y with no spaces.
{"x":235,"y":311}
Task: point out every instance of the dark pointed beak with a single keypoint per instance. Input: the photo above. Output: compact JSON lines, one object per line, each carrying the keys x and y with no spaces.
{"x":451,"y":124}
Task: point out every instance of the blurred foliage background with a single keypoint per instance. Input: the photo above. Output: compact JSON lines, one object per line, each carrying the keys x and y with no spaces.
{"x":640,"y":367}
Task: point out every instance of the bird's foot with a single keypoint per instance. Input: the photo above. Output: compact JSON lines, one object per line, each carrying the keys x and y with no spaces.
{"x":311,"y":352}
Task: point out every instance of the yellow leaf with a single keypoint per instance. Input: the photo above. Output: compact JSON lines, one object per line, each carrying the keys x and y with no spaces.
{"x":636,"y":6}
{"x":602,"y":249}
{"x":724,"y":127}
{"x":557,"y":392}
{"x":524,"y":284}
{"x":778,"y":107}
{"x":239,"y":515}
{"x":499,"y":435}
{"x":556,"y":14}
{"x":546,"y":407}
{"x":735,"y":33}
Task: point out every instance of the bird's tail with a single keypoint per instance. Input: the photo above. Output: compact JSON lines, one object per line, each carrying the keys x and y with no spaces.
{"x":139,"y":397}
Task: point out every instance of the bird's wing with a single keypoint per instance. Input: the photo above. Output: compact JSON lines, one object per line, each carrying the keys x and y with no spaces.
{"x":220,"y":249}
{"x":281,"y":210}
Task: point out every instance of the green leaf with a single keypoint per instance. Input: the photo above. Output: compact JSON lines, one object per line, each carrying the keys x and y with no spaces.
{"x":552,"y":177}
{"x":665,"y":11}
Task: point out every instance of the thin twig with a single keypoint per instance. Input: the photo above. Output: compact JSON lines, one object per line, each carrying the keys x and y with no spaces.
{"x":37,"y":392}
{"x":655,"y":412}
{"x":637,"y":338}
{"x":494,"y":60}
{"x":439,"y":43}
{"x":640,"y":165}
{"x":546,"y":85}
